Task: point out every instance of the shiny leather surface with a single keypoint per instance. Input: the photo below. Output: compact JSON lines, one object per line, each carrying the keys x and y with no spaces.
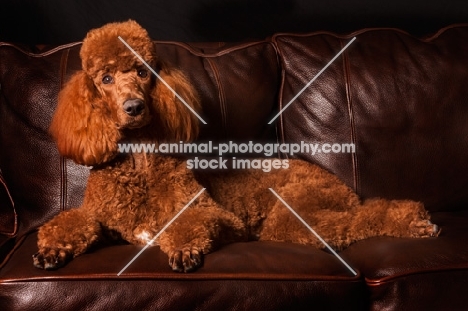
{"x":401,"y":100}
{"x":237,"y":86}
{"x":244,"y":276}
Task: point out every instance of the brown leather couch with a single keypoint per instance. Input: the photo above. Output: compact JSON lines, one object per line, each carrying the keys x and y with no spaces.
{"x":403,"y":102}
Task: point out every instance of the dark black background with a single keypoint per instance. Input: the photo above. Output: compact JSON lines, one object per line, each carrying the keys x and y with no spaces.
{"x":64,"y":21}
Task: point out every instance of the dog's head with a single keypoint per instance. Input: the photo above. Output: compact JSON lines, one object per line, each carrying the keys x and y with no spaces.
{"x":117,"y":92}
{"x":121,"y":79}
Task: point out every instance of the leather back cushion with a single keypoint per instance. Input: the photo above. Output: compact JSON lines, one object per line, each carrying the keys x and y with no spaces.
{"x":237,"y":84}
{"x":40,"y":182}
{"x":402,"y":101}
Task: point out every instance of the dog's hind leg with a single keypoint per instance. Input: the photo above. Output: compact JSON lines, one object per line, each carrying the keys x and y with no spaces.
{"x":375,"y":217}
{"x":66,"y":236}
{"x":396,"y":218}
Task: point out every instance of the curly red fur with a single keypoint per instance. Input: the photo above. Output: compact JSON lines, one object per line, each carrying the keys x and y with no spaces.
{"x":132,"y":196}
{"x":82,"y":126}
{"x":174,"y":122}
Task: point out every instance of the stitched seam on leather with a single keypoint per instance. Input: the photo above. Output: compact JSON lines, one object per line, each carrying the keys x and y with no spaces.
{"x":221,"y":96}
{"x":354,"y":159}
{"x":63,"y":166}
{"x":280,"y":121}
{"x":348,"y":36}
{"x":15,"y":215}
{"x":379,"y":281}
{"x":198,"y":52}
{"x":46,"y":53}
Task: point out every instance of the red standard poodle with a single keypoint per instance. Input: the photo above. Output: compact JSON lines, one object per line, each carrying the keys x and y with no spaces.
{"x":115,"y":99}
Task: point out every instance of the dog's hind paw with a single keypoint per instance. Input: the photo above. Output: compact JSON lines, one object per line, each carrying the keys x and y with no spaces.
{"x":424,"y":229}
{"x":51,"y":259}
{"x":185,"y":259}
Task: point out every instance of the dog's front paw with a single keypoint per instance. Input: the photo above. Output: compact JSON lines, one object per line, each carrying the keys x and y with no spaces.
{"x":51,"y":258}
{"x":185,"y":259}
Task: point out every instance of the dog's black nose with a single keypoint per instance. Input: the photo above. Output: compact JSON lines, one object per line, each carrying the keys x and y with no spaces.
{"x":133,"y":107}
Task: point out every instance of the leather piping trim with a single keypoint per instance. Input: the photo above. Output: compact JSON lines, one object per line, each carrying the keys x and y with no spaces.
{"x":221,"y":96}
{"x":347,"y":78}
{"x":46,"y":53}
{"x":63,"y":164}
{"x":192,"y":277}
{"x":199,"y":52}
{"x":365,"y":30}
{"x":279,"y":122}
{"x":391,"y":278}
{"x":15,"y":215}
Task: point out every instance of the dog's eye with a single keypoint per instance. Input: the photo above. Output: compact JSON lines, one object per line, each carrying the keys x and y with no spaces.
{"x":142,"y":73}
{"x":107,"y":79}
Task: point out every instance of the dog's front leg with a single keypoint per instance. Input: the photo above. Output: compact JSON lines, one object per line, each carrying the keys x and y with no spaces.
{"x":198,"y":231}
{"x":66,"y":236}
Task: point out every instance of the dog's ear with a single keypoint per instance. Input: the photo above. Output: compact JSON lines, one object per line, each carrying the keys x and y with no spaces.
{"x":174,"y":121}
{"x":82,"y":125}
